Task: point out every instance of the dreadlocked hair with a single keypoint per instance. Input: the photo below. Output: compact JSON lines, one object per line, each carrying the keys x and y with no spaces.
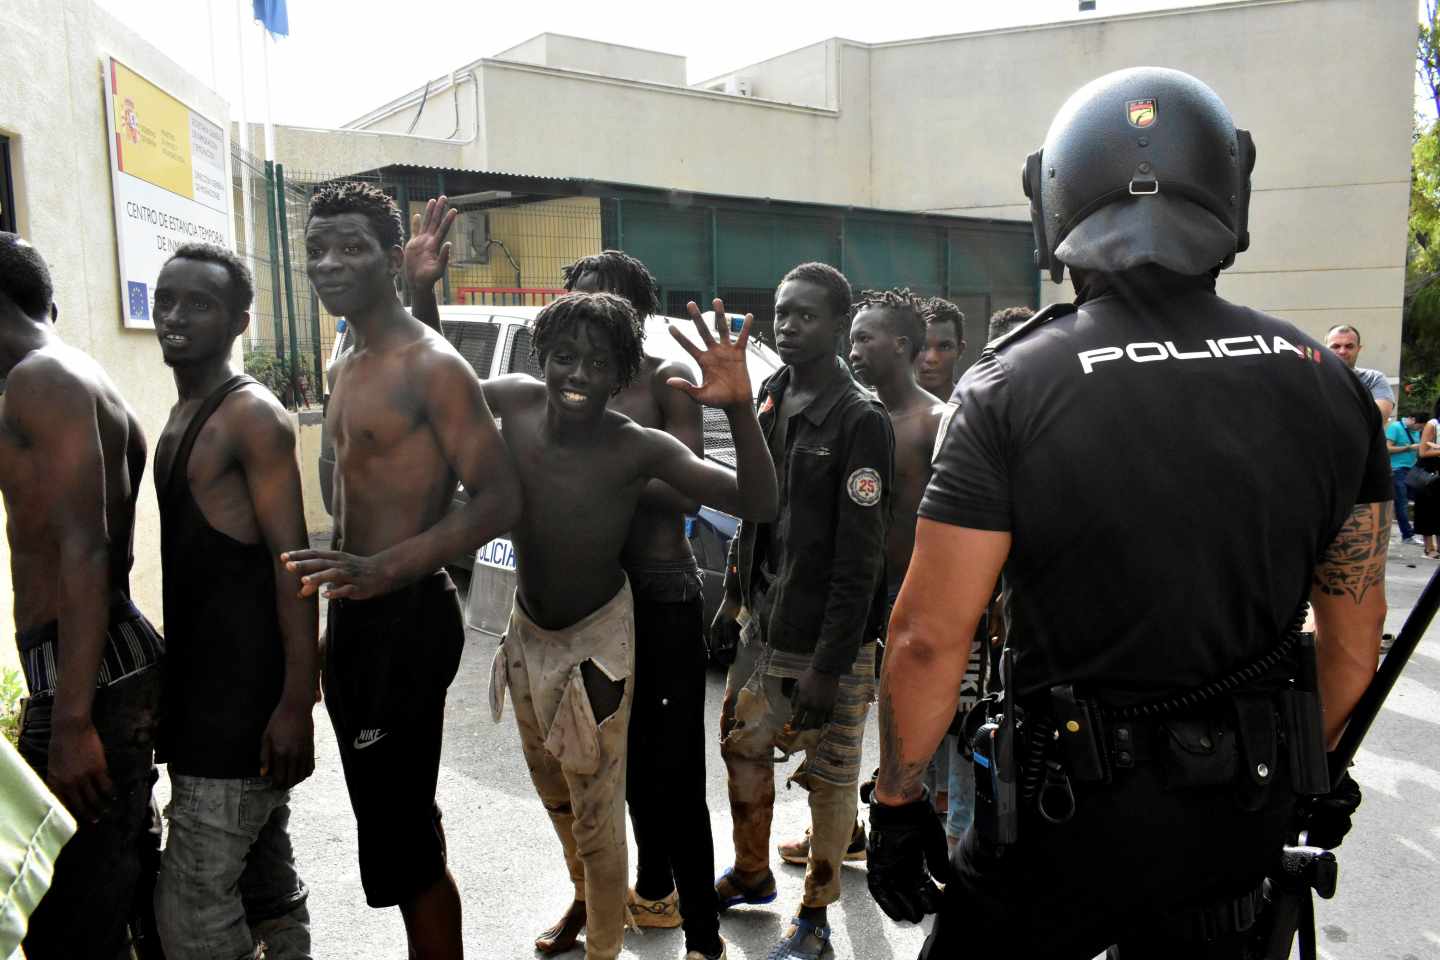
{"x":837,"y":288}
{"x":940,"y":310}
{"x":613,"y":315}
{"x":904,"y":314}
{"x":620,"y":274}
{"x":356,"y":196}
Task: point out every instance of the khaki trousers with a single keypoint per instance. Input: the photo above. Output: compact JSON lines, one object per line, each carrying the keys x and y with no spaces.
{"x":577,"y":764}
{"x":753,"y":718}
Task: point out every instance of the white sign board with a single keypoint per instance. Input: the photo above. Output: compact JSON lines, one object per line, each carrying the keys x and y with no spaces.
{"x":169,"y":176}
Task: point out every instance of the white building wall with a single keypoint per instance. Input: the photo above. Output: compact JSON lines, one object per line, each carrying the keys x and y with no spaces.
{"x":52,"y":107}
{"x":1323,"y":85}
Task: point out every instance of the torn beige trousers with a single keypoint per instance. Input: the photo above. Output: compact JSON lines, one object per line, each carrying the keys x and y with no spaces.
{"x":577,"y":764}
{"x":753,"y":725}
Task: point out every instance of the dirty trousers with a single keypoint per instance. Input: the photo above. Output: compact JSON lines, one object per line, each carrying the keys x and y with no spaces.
{"x":753,"y":715}
{"x":576,"y":763}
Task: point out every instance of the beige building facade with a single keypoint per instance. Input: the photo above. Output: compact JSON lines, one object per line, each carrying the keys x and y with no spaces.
{"x":943,"y":125}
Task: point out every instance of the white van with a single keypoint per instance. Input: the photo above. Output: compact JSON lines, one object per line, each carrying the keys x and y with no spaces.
{"x":496,"y":341}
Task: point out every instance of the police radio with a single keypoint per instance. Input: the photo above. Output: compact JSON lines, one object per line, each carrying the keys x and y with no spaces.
{"x":997,"y":810}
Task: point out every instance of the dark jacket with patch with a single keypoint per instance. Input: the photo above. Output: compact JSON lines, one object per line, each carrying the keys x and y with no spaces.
{"x":836,"y":482}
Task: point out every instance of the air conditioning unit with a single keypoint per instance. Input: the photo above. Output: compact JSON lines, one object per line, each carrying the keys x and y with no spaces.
{"x":471,"y":236}
{"x":737,"y":86}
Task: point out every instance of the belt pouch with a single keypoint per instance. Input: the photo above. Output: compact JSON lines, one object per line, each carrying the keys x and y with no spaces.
{"x":1077,"y":724}
{"x":1198,"y":753}
{"x":1258,"y":732}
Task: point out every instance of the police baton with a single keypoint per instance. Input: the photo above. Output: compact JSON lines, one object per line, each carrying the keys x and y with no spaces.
{"x":1295,"y":908}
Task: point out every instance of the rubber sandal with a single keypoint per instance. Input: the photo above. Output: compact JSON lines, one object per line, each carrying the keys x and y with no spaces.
{"x":804,"y":941}
{"x":743,"y":894}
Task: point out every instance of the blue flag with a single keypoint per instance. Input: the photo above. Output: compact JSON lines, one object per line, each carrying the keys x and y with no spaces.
{"x":273,"y":15}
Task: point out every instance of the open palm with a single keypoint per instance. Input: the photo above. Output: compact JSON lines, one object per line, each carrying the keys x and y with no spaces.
{"x":724,"y":379}
{"x":427,"y":253}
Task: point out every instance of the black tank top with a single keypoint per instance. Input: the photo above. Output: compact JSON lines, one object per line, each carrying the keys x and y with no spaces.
{"x":225,"y":665}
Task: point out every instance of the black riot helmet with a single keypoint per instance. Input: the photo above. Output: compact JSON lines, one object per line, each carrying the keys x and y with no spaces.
{"x":1140,"y":166}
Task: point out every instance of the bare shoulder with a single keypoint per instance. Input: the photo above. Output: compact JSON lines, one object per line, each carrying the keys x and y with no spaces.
{"x":256,"y":416}
{"x":54,"y":380}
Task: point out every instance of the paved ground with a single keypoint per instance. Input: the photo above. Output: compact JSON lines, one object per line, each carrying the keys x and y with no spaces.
{"x":512,"y":878}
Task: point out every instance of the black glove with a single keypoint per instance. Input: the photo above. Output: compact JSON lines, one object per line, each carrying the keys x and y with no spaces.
{"x":904,"y":841}
{"x":1327,"y":819}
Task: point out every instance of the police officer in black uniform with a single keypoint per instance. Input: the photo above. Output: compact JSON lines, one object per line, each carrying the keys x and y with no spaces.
{"x":1166,"y":478}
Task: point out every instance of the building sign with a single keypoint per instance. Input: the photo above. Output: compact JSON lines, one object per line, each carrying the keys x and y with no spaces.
{"x":168,"y":176}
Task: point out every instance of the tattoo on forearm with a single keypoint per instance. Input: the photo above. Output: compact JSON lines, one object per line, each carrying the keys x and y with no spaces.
{"x":1355,"y":562}
{"x":896,"y":776}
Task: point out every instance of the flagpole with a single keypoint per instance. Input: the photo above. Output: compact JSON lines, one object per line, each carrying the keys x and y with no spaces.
{"x":247,"y":202}
{"x":265,"y":68}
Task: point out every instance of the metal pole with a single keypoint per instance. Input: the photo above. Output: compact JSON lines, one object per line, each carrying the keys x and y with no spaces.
{"x":289,"y":286}
{"x":274,"y":258}
{"x":318,"y":350}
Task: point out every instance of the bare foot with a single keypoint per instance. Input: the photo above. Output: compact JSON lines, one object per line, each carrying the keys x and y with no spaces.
{"x":563,"y":934}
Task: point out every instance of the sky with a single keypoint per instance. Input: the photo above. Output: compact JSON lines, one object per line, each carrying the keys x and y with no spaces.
{"x":345,"y":57}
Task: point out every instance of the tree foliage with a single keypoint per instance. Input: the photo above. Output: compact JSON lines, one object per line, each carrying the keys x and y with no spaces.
{"x":1420,"y":351}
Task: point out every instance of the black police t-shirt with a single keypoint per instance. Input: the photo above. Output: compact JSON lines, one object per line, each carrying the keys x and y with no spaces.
{"x":1171,"y":468}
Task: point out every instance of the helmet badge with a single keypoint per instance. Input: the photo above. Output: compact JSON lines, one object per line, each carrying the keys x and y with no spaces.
{"x":1141,"y":113}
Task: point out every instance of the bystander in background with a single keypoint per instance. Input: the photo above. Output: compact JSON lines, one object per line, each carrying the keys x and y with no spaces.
{"x":1402,"y":441}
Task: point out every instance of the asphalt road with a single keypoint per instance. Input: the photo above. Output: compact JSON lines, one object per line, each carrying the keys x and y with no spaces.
{"x":512,"y":878}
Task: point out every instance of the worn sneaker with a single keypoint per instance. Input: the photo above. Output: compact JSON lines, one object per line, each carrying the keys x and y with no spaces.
{"x":798,"y":851}
{"x":661,"y":914}
{"x":697,"y":955}
{"x":1412,"y":540}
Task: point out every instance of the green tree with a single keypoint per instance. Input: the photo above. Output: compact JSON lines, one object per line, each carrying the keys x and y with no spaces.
{"x":1420,"y":338}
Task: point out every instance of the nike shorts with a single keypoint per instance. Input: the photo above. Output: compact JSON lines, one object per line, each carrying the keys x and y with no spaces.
{"x":388,"y":663}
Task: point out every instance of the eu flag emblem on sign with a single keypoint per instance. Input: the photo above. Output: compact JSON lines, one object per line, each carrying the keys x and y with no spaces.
{"x":274,"y":16}
{"x":139,"y":301}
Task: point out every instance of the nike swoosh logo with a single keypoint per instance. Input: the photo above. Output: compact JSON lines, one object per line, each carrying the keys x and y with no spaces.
{"x":362,"y":744}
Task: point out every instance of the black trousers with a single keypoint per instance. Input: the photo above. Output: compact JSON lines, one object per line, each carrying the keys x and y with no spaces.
{"x":665,"y":780}
{"x":101,"y":901}
{"x":1136,"y":855}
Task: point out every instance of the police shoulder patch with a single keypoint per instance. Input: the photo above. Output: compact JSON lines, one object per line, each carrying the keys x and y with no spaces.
{"x":864,"y":486}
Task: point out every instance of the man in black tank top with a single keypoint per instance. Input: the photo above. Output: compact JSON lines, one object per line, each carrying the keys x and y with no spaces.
{"x":241,"y":676}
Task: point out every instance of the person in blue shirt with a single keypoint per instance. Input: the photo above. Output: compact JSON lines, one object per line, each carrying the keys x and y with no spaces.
{"x":1402,"y":440}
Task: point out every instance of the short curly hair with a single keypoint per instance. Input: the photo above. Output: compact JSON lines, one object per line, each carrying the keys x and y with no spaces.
{"x":837,"y":288}
{"x":357,"y":196}
{"x":940,"y":310}
{"x":620,"y":274}
{"x":242,"y":286}
{"x":904,"y":313}
{"x":1007,"y":319}
{"x":612,"y":314}
{"x":24,"y":277}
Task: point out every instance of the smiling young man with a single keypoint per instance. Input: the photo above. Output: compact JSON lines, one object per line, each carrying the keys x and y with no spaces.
{"x":71,"y":456}
{"x":241,"y":670}
{"x":568,"y":656}
{"x":665,"y":776}
{"x":812,"y":583}
{"x":409,"y":421}
{"x":944,"y":343}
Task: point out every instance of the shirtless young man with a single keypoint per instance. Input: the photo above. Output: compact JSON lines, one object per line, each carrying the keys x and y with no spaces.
{"x":665,"y":779}
{"x":241,"y":660}
{"x":886,"y":335}
{"x":71,"y":456}
{"x":944,"y":343}
{"x":409,"y":420}
{"x":568,"y":654}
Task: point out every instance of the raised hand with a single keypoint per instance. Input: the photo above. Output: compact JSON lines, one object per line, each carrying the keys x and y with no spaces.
{"x":427,"y":253}
{"x":724,"y":379}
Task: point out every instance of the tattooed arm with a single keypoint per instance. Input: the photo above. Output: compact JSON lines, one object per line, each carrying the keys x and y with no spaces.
{"x":1348,"y":597}
{"x":952,"y":574}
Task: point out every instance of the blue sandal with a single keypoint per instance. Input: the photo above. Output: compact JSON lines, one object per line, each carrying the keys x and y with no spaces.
{"x":805,"y":941}
{"x":742,"y":893}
